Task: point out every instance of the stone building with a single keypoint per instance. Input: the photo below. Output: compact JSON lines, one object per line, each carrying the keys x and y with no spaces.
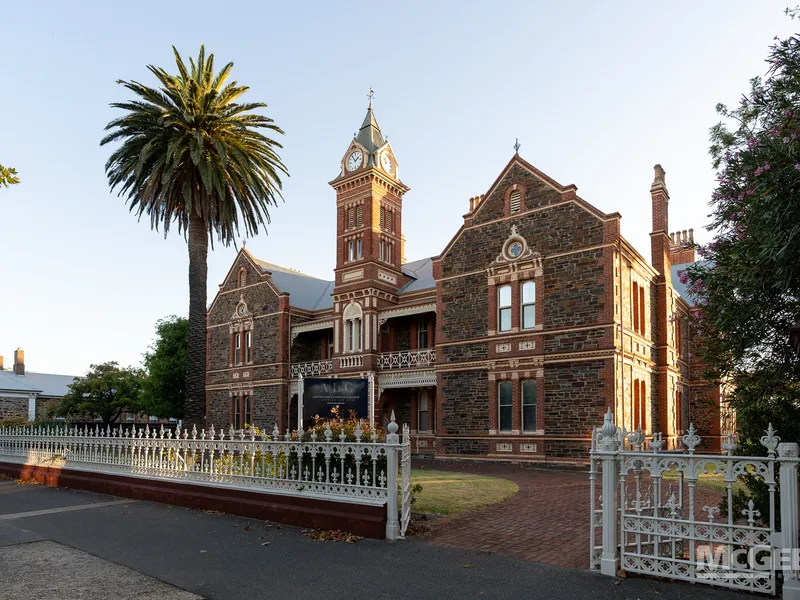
{"x":535,"y":318}
{"x":25,"y":395}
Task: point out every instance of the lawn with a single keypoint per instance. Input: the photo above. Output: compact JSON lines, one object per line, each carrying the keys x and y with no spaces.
{"x":715,"y":481}
{"x":446,"y":493}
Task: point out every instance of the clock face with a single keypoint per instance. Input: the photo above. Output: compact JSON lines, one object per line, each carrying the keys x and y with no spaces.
{"x":386,"y":161}
{"x":355,"y":160}
{"x":515,"y":249}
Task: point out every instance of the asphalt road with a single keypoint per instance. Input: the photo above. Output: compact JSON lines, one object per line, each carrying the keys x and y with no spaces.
{"x":57,"y":533}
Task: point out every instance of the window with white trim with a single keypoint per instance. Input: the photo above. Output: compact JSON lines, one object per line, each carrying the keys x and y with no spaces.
{"x":528,"y":308}
{"x":248,"y":346}
{"x":237,"y":348}
{"x":529,"y":405}
{"x":381,"y":250}
{"x":248,"y":410}
{"x":505,"y":409}
{"x":515,"y":202}
{"x":423,"y":420}
{"x":360,"y":248}
{"x":351,"y":251}
{"x":504,"y":308}
{"x":237,"y":412}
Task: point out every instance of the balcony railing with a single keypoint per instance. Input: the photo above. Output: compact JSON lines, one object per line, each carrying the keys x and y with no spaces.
{"x":408,"y":359}
{"x":346,"y":362}
{"x":312,"y":368}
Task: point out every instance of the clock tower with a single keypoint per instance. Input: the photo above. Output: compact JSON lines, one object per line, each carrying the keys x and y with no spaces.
{"x":369,"y":202}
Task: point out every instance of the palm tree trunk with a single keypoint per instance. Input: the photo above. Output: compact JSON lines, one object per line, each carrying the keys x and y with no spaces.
{"x":195,"y":408}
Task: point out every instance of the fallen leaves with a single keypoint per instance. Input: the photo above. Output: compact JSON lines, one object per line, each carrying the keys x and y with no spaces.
{"x":332,"y":535}
{"x":27,"y":481}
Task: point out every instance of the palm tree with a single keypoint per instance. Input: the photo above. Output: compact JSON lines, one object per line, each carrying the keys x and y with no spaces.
{"x":194,"y":156}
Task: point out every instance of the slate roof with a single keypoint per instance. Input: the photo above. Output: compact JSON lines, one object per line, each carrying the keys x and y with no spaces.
{"x":305,"y":291}
{"x":422,"y":272}
{"x":45,"y":384}
{"x":370,"y":135}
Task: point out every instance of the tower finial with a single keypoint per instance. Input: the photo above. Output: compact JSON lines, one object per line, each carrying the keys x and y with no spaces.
{"x":370,"y":95}
{"x":517,"y":146}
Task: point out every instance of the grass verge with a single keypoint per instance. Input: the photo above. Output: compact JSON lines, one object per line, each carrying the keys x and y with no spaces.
{"x":447,"y":493}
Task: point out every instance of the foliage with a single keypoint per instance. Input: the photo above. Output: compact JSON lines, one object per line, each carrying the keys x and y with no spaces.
{"x":164,"y":388}
{"x":748,"y":287}
{"x":339,"y":424}
{"x":192,"y":155}
{"x":105,"y":391}
{"x":8,"y":176}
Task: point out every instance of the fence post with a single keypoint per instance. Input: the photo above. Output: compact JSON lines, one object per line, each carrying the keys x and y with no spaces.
{"x":608,"y":445}
{"x":789,"y":517}
{"x":392,"y":440}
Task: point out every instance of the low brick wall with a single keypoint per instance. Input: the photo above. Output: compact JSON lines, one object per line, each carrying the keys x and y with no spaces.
{"x":359,"y":519}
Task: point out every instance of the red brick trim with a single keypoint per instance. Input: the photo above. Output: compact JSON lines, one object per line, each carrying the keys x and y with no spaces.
{"x":366,"y":520}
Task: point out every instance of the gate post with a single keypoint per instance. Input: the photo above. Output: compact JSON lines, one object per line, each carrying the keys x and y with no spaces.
{"x":789,"y":517}
{"x":392,"y":441}
{"x":608,"y":445}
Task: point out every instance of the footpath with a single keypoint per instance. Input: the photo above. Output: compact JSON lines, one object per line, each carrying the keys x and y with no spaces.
{"x":64,"y":544}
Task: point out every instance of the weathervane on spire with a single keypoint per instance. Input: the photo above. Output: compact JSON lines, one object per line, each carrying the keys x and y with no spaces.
{"x":370,"y":95}
{"x":517,"y":146}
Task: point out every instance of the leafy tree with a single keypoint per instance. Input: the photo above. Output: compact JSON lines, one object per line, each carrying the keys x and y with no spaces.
{"x":164,"y":388}
{"x":193,"y":156}
{"x":8,"y":176}
{"x":106,"y":391}
{"x":748,"y":287}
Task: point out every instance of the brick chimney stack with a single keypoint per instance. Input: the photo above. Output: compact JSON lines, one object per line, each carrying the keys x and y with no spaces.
{"x":659,"y":238}
{"x":682,"y":247}
{"x":19,"y":362}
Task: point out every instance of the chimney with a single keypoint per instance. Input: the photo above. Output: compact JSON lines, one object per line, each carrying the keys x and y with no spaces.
{"x":19,"y":362}
{"x":681,"y":249}
{"x":660,"y":240}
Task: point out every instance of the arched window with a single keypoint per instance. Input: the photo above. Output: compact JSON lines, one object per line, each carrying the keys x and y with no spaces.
{"x":242,"y":277}
{"x":515,"y":202}
{"x":353,"y":334}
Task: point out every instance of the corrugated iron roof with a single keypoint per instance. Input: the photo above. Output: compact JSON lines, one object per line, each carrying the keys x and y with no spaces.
{"x":45,"y":384}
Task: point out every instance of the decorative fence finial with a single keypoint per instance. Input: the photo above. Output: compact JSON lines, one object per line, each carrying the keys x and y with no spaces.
{"x":607,"y":436}
{"x":691,"y":439}
{"x":771,"y":440}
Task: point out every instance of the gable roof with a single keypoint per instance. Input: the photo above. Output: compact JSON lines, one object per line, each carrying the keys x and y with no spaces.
{"x":44,"y":384}
{"x":305,"y":291}
{"x":421,"y":272}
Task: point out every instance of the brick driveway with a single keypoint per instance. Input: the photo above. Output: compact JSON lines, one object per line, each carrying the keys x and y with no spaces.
{"x":546,"y":521}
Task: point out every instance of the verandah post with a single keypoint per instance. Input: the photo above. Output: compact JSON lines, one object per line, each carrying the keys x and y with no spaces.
{"x":608,"y":445}
{"x":789,"y":515}
{"x":392,"y":441}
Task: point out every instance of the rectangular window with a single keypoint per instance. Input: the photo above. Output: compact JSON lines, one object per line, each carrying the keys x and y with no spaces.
{"x":359,"y":217}
{"x":388,"y":252}
{"x":678,"y":411}
{"x":248,"y":346}
{"x":350,"y":344}
{"x":389,"y":220}
{"x":248,"y":412}
{"x":635,"y":310}
{"x":636,"y":414}
{"x":237,"y":348}
{"x":505,"y":406}
{"x":642,"y":327}
{"x":528,"y":305}
{"x":130,"y":417}
{"x":504,"y":308}
{"x":381,"y":250}
{"x":237,"y":412}
{"x":152,"y":419}
{"x":423,"y":422}
{"x":360,"y":249}
{"x":351,"y":251}
{"x":350,"y":218}
{"x":529,"y":405}
{"x":358,"y":334}
{"x":643,"y":405}
{"x":678,"y":336}
{"x":422,"y":331}
{"x":383,"y":217}
{"x":516,"y":201}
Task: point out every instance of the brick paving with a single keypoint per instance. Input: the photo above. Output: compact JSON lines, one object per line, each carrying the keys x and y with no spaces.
{"x":546,"y":521}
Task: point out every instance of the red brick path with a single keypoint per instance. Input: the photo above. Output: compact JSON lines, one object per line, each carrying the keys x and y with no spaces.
{"x":546,"y":521}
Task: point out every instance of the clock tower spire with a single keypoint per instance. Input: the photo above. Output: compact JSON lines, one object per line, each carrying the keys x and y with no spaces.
{"x":369,"y":202}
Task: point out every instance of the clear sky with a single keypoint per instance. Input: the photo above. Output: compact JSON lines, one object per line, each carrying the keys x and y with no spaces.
{"x":596,"y":92}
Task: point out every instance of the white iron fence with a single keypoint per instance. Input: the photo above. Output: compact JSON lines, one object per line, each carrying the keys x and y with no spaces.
{"x":671,"y":513}
{"x":360,"y":471}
